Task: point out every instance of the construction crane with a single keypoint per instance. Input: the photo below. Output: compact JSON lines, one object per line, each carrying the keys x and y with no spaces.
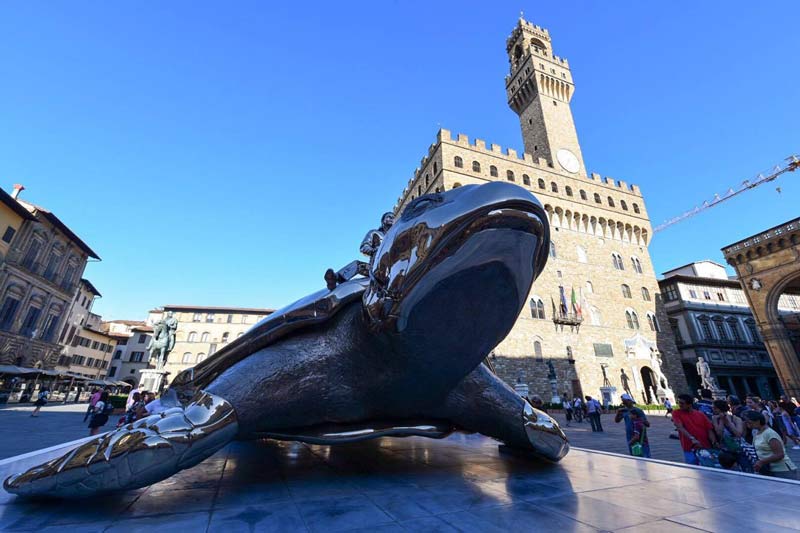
{"x":791,"y":164}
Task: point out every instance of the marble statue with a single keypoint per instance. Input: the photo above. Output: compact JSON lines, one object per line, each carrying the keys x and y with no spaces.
{"x":706,"y":380}
{"x":394,"y":354}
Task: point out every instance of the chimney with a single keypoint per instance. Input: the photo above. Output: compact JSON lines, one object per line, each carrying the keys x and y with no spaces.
{"x":17,"y":189}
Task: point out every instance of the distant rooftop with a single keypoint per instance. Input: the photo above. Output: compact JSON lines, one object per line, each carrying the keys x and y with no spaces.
{"x":217,"y":309}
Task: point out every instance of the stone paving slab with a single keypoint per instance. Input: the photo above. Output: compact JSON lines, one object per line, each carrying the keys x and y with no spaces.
{"x":462,"y":483}
{"x":57,"y":423}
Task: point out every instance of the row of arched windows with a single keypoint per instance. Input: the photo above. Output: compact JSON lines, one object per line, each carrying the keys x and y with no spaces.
{"x":632,"y":319}
{"x":205,"y":337}
{"x":526,"y":180}
{"x":187,"y":358}
{"x":626,"y":292}
{"x":619,"y":264}
{"x":727,"y":329}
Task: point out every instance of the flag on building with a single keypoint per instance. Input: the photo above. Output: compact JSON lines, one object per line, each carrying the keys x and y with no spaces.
{"x":564,"y":308}
{"x":576,"y":307}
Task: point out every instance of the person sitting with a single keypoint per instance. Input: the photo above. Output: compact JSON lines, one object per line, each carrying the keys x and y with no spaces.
{"x":772,"y":459}
{"x":694,"y":429}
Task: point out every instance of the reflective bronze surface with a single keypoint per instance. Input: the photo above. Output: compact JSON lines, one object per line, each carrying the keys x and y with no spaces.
{"x":398,"y":353}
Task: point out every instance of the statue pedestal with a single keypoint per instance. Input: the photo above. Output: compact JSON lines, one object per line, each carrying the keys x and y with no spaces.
{"x":609,"y":395}
{"x":153,"y":380}
{"x":555,"y":399}
{"x":521,"y":389}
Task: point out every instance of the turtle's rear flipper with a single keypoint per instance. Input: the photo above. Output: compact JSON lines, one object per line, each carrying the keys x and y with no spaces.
{"x":135,"y":455}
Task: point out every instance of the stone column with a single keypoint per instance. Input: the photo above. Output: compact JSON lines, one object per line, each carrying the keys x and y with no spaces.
{"x":784,"y":358}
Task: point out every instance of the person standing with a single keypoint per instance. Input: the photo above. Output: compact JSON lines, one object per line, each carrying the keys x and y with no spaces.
{"x":568,"y":411}
{"x":639,"y":435}
{"x":624,"y":413}
{"x":668,"y":407}
{"x":593,"y":410}
{"x":694,"y":429}
{"x":41,"y":401}
{"x":772,"y":459}
{"x":99,"y":414}
{"x":92,"y":402}
{"x":577,"y":405}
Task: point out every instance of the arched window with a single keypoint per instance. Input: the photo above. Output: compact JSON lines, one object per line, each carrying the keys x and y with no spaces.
{"x":427,"y":181}
{"x":509,"y":175}
{"x":589,"y":287}
{"x":225,"y":336}
{"x":635,"y":208}
{"x":458,"y":162}
{"x":597,"y":199}
{"x":610,"y":202}
{"x":652,"y":321}
{"x":200,"y":357}
{"x":187,"y":357}
{"x":541,"y":183}
{"x":537,"y":350}
{"x":553,"y":253}
{"x":632,"y":319}
{"x":583,"y":195}
{"x":553,"y":186}
{"x":537,"y":308}
{"x":623,"y":205}
{"x":192,"y":337}
{"x":582,"y":257}
{"x":419,"y":190}
{"x":637,"y":265}
{"x":204,"y":337}
{"x":493,"y":171}
{"x":626,"y":291}
{"x":616,"y":259}
{"x":526,"y":180}
{"x":645,"y":294}
{"x":476,"y":166}
{"x":456,"y":185}
{"x":568,"y":190}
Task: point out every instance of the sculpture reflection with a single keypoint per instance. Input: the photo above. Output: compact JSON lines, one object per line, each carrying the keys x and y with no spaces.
{"x":396,"y":353}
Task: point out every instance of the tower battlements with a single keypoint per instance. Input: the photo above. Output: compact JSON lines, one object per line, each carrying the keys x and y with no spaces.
{"x":512,"y":155}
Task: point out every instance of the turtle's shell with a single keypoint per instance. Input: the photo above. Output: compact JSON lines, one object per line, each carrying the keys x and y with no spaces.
{"x":313,"y":309}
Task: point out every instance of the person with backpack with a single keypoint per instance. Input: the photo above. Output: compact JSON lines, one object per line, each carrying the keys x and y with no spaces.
{"x":41,"y":401}
{"x":100,"y":413}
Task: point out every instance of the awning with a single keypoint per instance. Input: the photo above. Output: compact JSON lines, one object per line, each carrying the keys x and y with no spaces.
{"x":11,"y":369}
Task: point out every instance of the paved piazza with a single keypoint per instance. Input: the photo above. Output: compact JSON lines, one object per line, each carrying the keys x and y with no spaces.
{"x":462,"y":483}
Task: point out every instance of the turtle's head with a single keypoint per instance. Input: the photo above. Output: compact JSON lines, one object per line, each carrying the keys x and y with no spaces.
{"x":459,"y":265}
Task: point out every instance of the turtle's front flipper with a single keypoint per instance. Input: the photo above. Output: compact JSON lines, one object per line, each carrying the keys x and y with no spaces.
{"x":137,"y":454}
{"x":484,"y":404}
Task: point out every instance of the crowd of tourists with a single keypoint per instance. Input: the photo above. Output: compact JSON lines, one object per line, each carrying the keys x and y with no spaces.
{"x":750,"y":436}
{"x":139,"y":404}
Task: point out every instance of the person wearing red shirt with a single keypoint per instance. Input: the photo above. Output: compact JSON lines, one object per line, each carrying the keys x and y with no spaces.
{"x":694,"y":429}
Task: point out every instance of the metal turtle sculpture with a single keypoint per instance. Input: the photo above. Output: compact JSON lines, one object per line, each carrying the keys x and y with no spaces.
{"x":396,"y":354}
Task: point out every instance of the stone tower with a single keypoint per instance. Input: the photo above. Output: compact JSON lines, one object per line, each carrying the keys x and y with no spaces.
{"x":539,"y":88}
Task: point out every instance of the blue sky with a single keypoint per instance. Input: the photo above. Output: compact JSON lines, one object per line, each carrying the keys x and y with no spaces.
{"x":226,"y":153}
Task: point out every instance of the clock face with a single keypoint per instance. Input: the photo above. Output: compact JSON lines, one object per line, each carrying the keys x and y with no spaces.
{"x":568,"y":161}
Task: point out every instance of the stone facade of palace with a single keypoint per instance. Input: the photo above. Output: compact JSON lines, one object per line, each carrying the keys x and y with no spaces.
{"x":600,"y":232}
{"x":41,"y":264}
{"x":203,"y":330}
